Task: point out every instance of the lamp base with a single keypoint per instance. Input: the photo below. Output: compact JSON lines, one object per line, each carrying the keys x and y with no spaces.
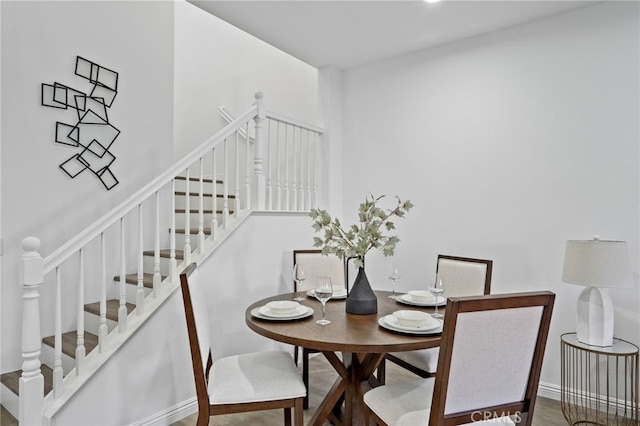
{"x":594,"y":322}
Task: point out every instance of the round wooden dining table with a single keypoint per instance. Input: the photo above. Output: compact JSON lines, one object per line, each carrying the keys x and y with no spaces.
{"x":362,"y":342}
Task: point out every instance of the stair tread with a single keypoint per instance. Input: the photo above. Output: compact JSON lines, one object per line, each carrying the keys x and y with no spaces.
{"x":113,"y":306}
{"x":147,"y":279}
{"x":69,"y":341}
{"x":12,"y":379}
{"x":206,"y":194}
{"x":193,"y":231}
{"x":165,"y":253}
{"x":205,"y":211}
{"x":197,"y":179}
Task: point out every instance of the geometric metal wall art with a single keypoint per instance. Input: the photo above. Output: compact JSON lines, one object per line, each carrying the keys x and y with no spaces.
{"x":91,"y":132}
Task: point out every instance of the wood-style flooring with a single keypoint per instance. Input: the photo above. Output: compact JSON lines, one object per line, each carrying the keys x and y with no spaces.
{"x":547,"y":412}
{"x":322,"y":376}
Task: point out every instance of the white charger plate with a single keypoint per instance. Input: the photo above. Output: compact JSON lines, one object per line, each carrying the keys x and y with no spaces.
{"x":263,"y":312}
{"x":407,"y":300}
{"x":391,"y":323}
{"x":312,"y":293}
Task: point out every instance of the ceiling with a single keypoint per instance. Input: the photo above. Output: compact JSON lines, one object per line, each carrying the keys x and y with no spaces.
{"x":350,"y":33}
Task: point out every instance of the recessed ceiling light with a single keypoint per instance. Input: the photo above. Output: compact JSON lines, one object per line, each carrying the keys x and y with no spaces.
{"x":432,"y":1}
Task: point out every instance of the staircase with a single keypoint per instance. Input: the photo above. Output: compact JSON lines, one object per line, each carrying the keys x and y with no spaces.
{"x":192,"y":208}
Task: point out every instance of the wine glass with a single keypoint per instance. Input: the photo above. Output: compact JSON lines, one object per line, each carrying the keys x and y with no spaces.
{"x":299,"y":275}
{"x":394,"y":274}
{"x":323,"y":292}
{"x":437,"y":289}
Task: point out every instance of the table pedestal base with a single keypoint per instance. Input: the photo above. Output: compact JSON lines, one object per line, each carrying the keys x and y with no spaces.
{"x":355,"y":373}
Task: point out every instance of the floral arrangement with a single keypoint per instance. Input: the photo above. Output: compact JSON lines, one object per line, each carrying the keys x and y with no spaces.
{"x":356,"y":240}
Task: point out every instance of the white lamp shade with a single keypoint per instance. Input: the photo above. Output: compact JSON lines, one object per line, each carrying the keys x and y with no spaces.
{"x":597,"y":263}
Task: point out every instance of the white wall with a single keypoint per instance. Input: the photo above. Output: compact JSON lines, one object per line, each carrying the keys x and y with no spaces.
{"x":508,"y":144}
{"x":40,"y":42}
{"x":216,"y":64}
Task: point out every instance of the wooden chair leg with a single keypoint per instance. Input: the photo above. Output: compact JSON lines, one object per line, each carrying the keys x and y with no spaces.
{"x":382,"y":371}
{"x":297,"y":412}
{"x":287,"y":416}
{"x":305,"y":376}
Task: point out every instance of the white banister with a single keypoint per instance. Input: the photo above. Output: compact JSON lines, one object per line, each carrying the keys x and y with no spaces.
{"x":31,"y":382}
{"x":256,"y":175}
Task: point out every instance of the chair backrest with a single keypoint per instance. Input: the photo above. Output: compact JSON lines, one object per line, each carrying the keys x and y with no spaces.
{"x":315,"y":265}
{"x":198,"y":328}
{"x":491,"y":355}
{"x":464,"y":276}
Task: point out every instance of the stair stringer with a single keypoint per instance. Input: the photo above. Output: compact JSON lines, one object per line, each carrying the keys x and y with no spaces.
{"x":95,"y":360}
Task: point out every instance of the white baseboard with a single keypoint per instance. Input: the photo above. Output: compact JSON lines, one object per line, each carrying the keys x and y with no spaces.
{"x":549,"y":390}
{"x":170,"y":415}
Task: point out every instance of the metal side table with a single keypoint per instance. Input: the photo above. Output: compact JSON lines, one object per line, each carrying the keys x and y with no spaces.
{"x":599,"y":385}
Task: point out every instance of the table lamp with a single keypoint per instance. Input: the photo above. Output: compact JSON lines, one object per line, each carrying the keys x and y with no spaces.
{"x":596,"y":264}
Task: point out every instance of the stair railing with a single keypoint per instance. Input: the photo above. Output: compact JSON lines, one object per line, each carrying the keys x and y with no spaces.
{"x":283,"y":180}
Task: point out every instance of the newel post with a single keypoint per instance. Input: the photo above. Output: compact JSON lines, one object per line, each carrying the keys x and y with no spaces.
{"x":31,"y":382}
{"x":259,"y":186}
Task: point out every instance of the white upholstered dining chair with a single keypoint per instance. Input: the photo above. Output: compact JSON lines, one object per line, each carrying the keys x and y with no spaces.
{"x":315,"y":265}
{"x":240,"y":383}
{"x":491,"y":355}
{"x":462,"y":276}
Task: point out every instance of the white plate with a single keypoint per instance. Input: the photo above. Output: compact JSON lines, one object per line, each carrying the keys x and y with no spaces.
{"x":341,"y":295}
{"x":407,"y":300}
{"x":390,"y":323}
{"x":393,"y":322}
{"x":265,"y":313}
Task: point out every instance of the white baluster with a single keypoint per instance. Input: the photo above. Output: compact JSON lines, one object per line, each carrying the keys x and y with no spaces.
{"x":278,"y":184}
{"x":103,"y":330}
{"x":122,"y":307}
{"x":236,"y":201}
{"x":58,"y":373}
{"x":225,"y":185}
{"x":269,"y":168}
{"x":187,"y":223}
{"x":157,"y":278}
{"x":80,"y":349}
{"x":307,"y":205}
{"x":286,"y":168}
{"x":294,"y":184}
{"x":301,"y":180}
{"x":247,"y":169}
{"x":201,"y":209}
{"x":31,"y":384}
{"x":214,"y":196}
{"x":316,"y":163}
{"x":140,"y":287}
{"x":173,"y":263}
{"x":258,"y":184}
